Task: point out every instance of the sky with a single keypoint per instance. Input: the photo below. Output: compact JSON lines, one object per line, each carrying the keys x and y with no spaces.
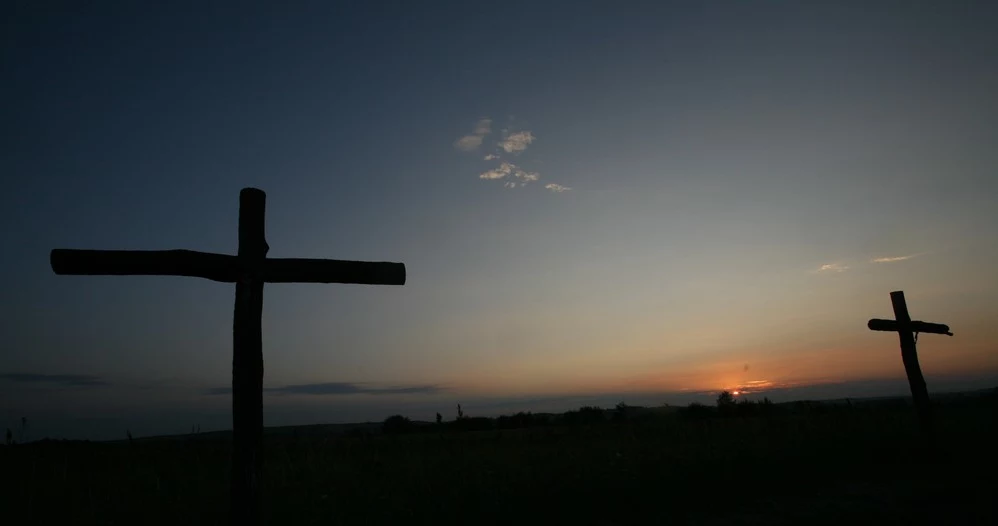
{"x":595,"y":201}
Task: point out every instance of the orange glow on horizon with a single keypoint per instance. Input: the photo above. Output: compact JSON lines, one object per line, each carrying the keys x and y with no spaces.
{"x":745,"y":371}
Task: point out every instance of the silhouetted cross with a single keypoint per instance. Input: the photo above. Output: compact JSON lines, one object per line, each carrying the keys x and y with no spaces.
{"x":249,"y":270}
{"x":906,"y":328}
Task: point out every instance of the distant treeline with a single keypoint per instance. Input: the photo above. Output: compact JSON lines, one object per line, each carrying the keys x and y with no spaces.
{"x":726,"y":406}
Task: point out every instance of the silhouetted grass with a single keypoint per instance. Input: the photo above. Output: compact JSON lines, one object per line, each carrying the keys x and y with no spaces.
{"x":807,"y":463}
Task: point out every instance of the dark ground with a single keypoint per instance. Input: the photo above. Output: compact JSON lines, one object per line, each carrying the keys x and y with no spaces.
{"x":795,"y":464}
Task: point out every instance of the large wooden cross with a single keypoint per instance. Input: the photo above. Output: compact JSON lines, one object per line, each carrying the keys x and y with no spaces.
{"x":249,"y":270}
{"x":907,"y":329}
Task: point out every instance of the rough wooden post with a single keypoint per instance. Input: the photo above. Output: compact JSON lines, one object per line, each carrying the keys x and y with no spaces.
{"x":247,"y":362}
{"x":919,"y":391}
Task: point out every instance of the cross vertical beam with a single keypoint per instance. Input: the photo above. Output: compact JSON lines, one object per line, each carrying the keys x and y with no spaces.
{"x":909,"y":356}
{"x":247,"y":361}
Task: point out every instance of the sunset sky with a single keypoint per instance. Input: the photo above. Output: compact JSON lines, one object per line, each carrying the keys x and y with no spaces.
{"x":640,"y":201}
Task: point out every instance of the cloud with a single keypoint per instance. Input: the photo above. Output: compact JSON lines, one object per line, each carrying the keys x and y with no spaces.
{"x":483,"y":126}
{"x":833,"y":267}
{"x":517,"y":142}
{"x":754,"y":387}
{"x":893,"y":259}
{"x":556,"y":187}
{"x":491,"y":157}
{"x":63,"y":380}
{"x":505,"y":169}
{"x":337,"y":388}
{"x":499,"y":172}
{"x":526,"y":177}
{"x":470,"y":143}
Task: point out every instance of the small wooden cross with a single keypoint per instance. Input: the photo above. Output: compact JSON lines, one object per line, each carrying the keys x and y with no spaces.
{"x":906,"y":329}
{"x":249,"y":270}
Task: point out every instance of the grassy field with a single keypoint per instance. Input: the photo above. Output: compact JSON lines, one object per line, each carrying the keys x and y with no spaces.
{"x":795,"y":464}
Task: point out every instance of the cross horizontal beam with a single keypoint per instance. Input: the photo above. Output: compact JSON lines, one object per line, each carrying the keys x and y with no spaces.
{"x":221,"y":267}
{"x":916,"y":326}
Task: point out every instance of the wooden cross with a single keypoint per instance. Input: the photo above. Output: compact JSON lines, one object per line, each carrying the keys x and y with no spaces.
{"x":907,"y":329}
{"x":249,"y":270}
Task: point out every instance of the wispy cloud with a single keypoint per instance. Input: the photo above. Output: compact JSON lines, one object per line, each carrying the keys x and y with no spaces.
{"x":63,"y":380}
{"x":516,"y":142}
{"x":468,"y":143}
{"x":894,"y":259}
{"x":522,"y":177}
{"x":753,"y":386}
{"x":833,"y":267}
{"x":483,"y":126}
{"x":556,"y":187}
{"x":526,"y":177}
{"x":498,"y":172}
{"x":338,"y":388}
{"x":491,"y":157}
{"x":471,"y":142}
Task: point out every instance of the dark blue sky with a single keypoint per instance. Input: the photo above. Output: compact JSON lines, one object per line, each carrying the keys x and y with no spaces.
{"x":678,"y":189}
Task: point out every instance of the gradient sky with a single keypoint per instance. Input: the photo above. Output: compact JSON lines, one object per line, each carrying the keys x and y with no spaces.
{"x":695,"y":196}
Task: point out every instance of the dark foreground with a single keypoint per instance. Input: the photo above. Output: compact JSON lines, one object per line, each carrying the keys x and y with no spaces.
{"x":862,"y":464}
